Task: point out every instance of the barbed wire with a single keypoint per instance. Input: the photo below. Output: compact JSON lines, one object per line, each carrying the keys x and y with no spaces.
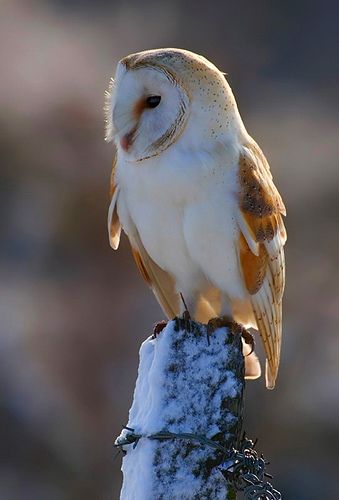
{"x":243,"y":469}
{"x":246,"y":472}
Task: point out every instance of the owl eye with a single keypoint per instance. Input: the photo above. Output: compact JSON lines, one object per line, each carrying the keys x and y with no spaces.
{"x":153,"y":100}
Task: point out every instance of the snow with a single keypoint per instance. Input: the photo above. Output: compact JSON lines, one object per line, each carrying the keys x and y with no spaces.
{"x":184,"y":385}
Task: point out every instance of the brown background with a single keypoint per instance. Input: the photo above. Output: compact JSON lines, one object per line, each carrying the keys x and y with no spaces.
{"x":73,"y":313}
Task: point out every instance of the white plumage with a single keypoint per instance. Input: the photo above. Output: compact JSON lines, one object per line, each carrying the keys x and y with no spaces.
{"x":194,"y":194}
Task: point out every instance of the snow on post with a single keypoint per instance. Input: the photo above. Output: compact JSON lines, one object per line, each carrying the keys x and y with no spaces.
{"x":187,"y":406}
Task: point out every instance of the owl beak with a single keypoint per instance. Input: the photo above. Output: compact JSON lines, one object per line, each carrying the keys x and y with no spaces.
{"x":126,"y":140}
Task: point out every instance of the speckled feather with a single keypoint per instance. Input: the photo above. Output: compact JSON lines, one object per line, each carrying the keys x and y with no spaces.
{"x":195,"y":195}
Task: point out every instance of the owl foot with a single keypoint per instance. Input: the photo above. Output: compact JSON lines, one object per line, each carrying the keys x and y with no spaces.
{"x":220,"y":322}
{"x":234,"y":327}
{"x":158,"y":328}
{"x":248,"y":339}
{"x":184,"y":322}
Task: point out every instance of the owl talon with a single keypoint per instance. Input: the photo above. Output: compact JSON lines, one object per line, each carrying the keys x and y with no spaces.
{"x":234,"y":327}
{"x":249,"y":339}
{"x":186,"y":317}
{"x":158,"y":328}
{"x":220,"y":322}
{"x":184,"y":322}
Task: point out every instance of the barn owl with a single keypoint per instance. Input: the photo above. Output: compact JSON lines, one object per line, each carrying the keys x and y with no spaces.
{"x":194,"y":194}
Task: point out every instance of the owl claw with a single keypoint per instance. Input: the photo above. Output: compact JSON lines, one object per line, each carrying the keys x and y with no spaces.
{"x":187,"y":320}
{"x":184,"y":322}
{"x":249,"y":339}
{"x":158,"y":328}
{"x":220,"y":322}
{"x":234,"y":327}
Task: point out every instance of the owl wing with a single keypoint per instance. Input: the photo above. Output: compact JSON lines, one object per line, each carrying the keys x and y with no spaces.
{"x":261,"y":254}
{"x":113,"y":223}
{"x":160,"y":281}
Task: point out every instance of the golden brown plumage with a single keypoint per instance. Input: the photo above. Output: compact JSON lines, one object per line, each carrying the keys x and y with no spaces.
{"x":195,"y":196}
{"x":261,"y":250}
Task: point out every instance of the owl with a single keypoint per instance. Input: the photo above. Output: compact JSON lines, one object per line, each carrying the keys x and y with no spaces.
{"x":194,"y":194}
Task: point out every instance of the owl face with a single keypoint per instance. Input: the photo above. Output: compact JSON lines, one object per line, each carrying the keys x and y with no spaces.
{"x":149,"y":110}
{"x":159,"y":96}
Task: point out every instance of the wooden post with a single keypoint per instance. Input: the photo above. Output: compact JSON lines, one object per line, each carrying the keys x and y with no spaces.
{"x":187,"y":409}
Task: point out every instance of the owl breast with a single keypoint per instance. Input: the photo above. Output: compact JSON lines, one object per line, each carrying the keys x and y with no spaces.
{"x":183,"y":208}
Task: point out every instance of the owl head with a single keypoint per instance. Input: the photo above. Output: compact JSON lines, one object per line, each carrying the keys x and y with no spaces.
{"x":159,"y":96}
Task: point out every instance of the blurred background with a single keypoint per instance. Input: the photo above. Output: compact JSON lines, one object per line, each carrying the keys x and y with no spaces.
{"x":73,"y":313}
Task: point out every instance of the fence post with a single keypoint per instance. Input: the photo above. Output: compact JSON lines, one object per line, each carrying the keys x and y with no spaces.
{"x":187,"y":409}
